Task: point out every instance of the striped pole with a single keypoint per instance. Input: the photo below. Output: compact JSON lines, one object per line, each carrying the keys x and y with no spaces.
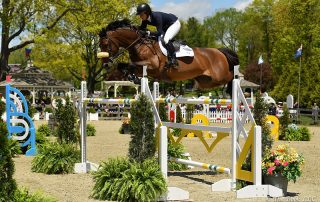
{"x":194,"y":101}
{"x":214,"y":168}
{"x":109,"y":101}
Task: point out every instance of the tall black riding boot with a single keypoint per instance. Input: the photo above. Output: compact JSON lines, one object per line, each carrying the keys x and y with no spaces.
{"x":172,"y":60}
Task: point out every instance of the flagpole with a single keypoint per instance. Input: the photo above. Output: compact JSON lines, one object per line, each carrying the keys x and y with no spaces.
{"x":260,"y":77}
{"x":299,"y":92}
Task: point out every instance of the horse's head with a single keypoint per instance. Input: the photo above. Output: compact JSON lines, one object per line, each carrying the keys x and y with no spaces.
{"x":117,"y":34}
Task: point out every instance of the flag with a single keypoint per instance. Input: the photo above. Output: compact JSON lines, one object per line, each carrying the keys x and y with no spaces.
{"x":27,"y":51}
{"x":260,"y":60}
{"x":298,"y":53}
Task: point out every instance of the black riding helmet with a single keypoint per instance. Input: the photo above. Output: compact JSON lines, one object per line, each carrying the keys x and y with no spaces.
{"x":143,"y":8}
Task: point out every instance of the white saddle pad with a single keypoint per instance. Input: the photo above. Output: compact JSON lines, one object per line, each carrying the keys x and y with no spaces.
{"x":184,"y":51}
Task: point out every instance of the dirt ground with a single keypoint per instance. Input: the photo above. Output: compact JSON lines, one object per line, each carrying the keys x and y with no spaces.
{"x":109,"y":143}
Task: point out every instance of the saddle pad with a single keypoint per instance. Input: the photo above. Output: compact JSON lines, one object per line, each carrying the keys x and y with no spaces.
{"x":184,"y":51}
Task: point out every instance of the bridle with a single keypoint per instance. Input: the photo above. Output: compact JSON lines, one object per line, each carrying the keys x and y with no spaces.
{"x":119,"y":53}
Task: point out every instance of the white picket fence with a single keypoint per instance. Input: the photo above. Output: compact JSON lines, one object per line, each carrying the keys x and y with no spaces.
{"x":222,"y":115}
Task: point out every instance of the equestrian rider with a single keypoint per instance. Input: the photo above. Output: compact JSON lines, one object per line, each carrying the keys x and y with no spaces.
{"x":167,"y":26}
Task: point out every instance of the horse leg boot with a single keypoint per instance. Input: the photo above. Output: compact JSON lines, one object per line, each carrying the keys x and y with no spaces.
{"x":172,"y":60}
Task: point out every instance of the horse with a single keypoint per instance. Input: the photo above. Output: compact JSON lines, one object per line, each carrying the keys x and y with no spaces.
{"x":209,"y":67}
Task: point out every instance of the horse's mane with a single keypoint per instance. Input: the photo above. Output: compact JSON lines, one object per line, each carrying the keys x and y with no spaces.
{"x":115,"y":25}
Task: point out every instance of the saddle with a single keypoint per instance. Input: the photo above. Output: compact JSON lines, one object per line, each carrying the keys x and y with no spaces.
{"x":181,"y":48}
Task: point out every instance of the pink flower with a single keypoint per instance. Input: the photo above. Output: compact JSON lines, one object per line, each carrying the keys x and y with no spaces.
{"x":277,"y":162}
{"x":285,"y":163}
{"x":270,"y":170}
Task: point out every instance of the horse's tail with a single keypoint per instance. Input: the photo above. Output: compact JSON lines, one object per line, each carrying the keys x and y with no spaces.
{"x":233,"y":60}
{"x":231,"y":56}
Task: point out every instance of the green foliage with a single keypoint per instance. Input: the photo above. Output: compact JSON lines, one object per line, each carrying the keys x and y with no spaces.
{"x":122,"y":180}
{"x":297,"y":134}
{"x":7,"y":183}
{"x":14,"y":147}
{"x":66,"y":117}
{"x":176,"y":132}
{"x":48,"y":109}
{"x":91,"y":110}
{"x":189,"y":113}
{"x":91,"y":130}
{"x":143,"y":142}
{"x":176,"y":151}
{"x":260,"y":112}
{"x":284,"y":122}
{"x":45,"y":130}
{"x":179,"y":118}
{"x":163,"y":112}
{"x":56,"y":158}
{"x":23,"y":195}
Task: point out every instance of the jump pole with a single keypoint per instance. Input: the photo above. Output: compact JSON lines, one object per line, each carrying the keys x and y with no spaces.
{"x":211,"y":167}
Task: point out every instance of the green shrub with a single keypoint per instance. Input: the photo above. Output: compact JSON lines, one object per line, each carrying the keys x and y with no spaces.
{"x":45,"y":130}
{"x":40,"y":138}
{"x":143,"y":143}
{"x":48,"y":109}
{"x":176,"y":132}
{"x":297,"y":134}
{"x":122,"y":180}
{"x":23,"y":195}
{"x":163,"y":112}
{"x":305,"y":134}
{"x":189,"y":113}
{"x":91,"y":110}
{"x":66,"y":117}
{"x":14,"y":147}
{"x":284,"y":122}
{"x":55,"y":158}
{"x":7,"y":183}
{"x":176,"y":151}
{"x":179,"y":118}
{"x":91,"y":130}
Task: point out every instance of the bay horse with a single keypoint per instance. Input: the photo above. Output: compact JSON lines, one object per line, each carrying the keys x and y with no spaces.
{"x":210,"y":67}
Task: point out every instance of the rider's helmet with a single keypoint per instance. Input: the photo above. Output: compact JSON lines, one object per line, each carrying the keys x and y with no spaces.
{"x":143,"y":8}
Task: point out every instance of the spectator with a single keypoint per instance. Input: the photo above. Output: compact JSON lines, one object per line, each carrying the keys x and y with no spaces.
{"x":315,"y":111}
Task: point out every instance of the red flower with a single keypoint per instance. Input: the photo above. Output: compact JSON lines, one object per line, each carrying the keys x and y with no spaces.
{"x":277,"y":162}
{"x":285,"y":163}
{"x":271,"y":169}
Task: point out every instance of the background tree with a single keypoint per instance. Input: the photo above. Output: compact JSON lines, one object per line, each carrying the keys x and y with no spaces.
{"x":296,"y":22}
{"x":225,"y":26}
{"x":74,"y":45}
{"x":27,"y":19}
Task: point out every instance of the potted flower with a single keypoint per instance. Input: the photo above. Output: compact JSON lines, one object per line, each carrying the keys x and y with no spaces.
{"x":282,"y":165}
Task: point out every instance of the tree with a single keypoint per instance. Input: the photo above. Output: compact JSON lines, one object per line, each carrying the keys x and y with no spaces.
{"x":296,"y":22}
{"x":75,"y":43}
{"x":225,"y":26}
{"x":143,"y":142}
{"x":26,"y":20}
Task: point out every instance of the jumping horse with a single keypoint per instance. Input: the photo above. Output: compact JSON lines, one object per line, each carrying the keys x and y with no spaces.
{"x":209,"y":67}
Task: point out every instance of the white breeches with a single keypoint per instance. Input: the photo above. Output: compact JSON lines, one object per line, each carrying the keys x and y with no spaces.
{"x":172,"y":31}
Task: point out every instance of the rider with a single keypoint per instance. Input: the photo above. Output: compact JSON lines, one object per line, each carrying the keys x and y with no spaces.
{"x":167,"y":26}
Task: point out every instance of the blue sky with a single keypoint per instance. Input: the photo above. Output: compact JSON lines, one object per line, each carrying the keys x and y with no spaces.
{"x":196,"y":8}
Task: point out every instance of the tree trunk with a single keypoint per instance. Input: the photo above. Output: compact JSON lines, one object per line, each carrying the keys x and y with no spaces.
{"x":5,"y":52}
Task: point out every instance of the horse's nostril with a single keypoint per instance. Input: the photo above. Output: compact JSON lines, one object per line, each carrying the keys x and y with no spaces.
{"x":104,"y":65}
